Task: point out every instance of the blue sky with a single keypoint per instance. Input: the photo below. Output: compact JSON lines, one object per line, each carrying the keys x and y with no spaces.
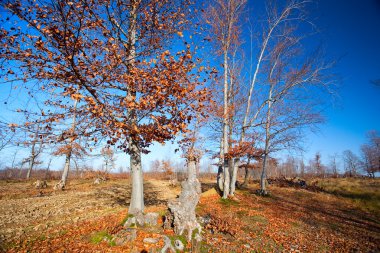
{"x":349,"y":32}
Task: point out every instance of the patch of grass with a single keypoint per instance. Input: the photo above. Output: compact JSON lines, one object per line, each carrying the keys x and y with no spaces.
{"x":296,"y":224}
{"x":182,"y":238}
{"x":364,"y":192}
{"x":98,"y":237}
{"x":259,"y":219}
{"x":228,"y":202}
{"x":163,"y":212}
{"x":62,"y":232}
{"x":241,"y":213}
{"x":126,"y":218}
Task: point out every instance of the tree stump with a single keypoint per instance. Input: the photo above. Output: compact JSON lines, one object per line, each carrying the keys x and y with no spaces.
{"x":182,"y":210}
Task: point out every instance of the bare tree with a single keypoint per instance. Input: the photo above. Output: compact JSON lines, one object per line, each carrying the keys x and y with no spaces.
{"x":334,"y":164}
{"x":109,"y":159}
{"x":223,"y":17}
{"x":351,"y":163}
{"x":293,"y":82}
{"x":35,"y":150}
{"x":6,"y":135}
{"x":371,"y":154}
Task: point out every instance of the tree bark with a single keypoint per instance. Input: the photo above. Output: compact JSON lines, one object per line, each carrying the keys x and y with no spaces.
{"x":267,"y":140}
{"x":263,"y":179}
{"x":61,"y":185}
{"x":235,"y":167}
{"x":220,"y":175}
{"x":137,"y":196}
{"x":246,"y":177}
{"x":226,"y":174}
{"x":182,"y":210}
{"x":33,"y":154}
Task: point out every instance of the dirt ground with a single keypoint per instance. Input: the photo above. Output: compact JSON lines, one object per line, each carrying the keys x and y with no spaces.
{"x":25,"y":211}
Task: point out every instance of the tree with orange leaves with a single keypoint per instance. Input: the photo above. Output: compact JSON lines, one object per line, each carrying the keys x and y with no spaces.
{"x":113,"y":58}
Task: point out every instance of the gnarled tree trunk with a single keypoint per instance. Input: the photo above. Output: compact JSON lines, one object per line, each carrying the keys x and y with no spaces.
{"x":182,"y":210}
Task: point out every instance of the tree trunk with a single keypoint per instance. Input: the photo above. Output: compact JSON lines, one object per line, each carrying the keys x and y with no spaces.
{"x":182,"y":210}
{"x":33,"y":154}
{"x":220,"y":178}
{"x":235,"y":167}
{"x":31,"y":164}
{"x":226,"y":173}
{"x":137,"y":196}
{"x":246,"y":177}
{"x":220,"y":175}
{"x":66,"y":169}
{"x":62,"y":184}
{"x":263,"y":178}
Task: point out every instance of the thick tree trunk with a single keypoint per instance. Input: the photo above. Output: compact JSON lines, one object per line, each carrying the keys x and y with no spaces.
{"x":137,"y":196}
{"x":182,"y":210}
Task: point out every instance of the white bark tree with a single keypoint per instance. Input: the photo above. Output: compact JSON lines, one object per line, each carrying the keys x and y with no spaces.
{"x":223,"y":17}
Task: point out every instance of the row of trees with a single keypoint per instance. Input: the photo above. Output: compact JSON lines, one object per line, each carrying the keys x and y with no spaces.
{"x":346,"y":164}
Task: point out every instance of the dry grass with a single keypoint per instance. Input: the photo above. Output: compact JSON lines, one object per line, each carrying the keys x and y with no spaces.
{"x":364,"y":192}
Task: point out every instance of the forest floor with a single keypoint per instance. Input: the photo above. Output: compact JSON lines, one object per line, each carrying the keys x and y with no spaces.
{"x":343,"y":217}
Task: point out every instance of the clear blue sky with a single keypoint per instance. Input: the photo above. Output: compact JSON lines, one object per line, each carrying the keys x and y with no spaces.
{"x":350,"y":32}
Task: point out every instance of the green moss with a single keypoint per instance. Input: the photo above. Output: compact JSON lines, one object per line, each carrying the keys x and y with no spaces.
{"x":163,"y":212}
{"x":195,"y":232}
{"x":62,"y":232}
{"x":182,"y":238}
{"x":228,"y":202}
{"x":241,"y":213}
{"x":98,"y":237}
{"x":259,"y":219}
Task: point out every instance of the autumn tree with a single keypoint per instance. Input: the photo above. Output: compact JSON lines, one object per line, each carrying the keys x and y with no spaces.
{"x":113,"y":58}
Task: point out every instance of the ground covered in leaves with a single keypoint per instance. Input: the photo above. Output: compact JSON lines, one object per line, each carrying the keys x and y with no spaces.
{"x":85,"y":218}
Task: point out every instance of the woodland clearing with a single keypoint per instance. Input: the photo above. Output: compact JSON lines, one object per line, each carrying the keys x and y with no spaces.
{"x":81,"y":218}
